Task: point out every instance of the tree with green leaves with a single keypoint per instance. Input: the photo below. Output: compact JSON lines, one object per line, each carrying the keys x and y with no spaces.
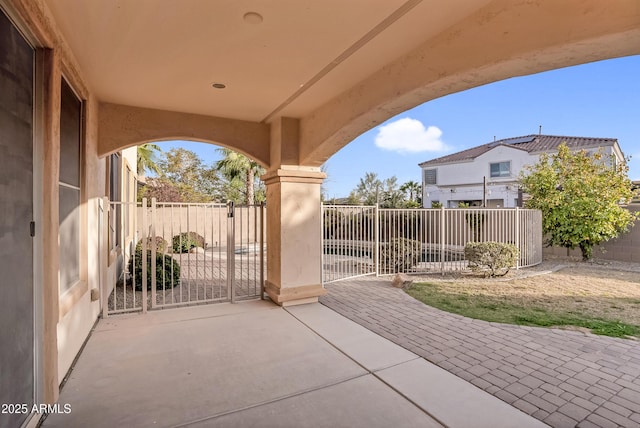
{"x":580,"y":196}
{"x":182,"y":177}
{"x":413,"y":190}
{"x":147,"y":159}
{"x":161,"y":189}
{"x":371,"y":190}
{"x":237,"y":168}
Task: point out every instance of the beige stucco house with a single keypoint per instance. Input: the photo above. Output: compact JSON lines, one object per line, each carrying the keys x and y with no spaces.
{"x":287,"y":83}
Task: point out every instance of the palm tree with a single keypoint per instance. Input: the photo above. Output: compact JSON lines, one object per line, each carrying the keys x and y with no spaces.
{"x":236,"y":166}
{"x":412,"y":188}
{"x":147,"y":160}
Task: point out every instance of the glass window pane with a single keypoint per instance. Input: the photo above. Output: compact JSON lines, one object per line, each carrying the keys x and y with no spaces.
{"x":69,"y":198}
{"x":430,"y":176}
{"x":500,"y":169}
{"x":70,"y":116}
{"x":69,"y":237}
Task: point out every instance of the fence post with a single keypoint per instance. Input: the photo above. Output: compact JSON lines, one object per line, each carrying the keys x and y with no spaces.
{"x":442,"y":238}
{"x":143,"y":256}
{"x":520,"y":252}
{"x":322,"y":242}
{"x":377,"y":240}
{"x":262,"y":250}
{"x":231,"y":266}
{"x":152,"y":230}
{"x":104,"y":254}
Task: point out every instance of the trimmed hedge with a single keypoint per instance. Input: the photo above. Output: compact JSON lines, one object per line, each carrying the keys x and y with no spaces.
{"x":494,"y":258}
{"x":185,"y":241}
{"x":167,"y":270}
{"x":161,"y":244}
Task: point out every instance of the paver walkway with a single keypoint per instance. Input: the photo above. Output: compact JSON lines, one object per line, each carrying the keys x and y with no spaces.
{"x":563,"y":378}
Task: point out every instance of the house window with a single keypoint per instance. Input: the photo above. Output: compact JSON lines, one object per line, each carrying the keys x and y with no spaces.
{"x":500,"y":169}
{"x":430,"y":176}
{"x":115,"y":195}
{"x":127,"y":198}
{"x":69,"y":187}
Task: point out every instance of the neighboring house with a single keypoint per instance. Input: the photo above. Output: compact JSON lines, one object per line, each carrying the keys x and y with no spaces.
{"x":488,"y":174}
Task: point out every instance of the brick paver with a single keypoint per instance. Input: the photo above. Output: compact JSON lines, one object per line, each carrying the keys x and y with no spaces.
{"x":564,"y":378}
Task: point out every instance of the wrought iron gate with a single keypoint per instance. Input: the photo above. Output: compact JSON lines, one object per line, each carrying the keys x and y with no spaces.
{"x":161,"y":255}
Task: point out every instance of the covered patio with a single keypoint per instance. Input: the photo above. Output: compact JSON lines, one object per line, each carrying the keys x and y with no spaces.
{"x":257,"y":364}
{"x":287,"y":83}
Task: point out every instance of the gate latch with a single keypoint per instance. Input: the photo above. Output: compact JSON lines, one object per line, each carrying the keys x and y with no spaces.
{"x":230,"y":209}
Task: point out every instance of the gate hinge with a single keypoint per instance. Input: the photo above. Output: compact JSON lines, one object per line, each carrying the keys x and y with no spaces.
{"x":32,"y":228}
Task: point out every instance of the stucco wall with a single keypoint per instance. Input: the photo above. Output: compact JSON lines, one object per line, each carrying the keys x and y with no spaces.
{"x":625,"y":248}
{"x":209,"y":222}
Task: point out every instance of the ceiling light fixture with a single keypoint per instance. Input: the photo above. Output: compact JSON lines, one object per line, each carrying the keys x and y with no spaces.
{"x":219,"y":85}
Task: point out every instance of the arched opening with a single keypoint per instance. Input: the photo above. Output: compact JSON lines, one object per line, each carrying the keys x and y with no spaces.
{"x":196,"y":171}
{"x":595,"y":100}
{"x":188,"y":220}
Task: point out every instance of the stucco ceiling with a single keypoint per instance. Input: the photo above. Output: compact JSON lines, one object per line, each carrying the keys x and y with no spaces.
{"x":165,"y":54}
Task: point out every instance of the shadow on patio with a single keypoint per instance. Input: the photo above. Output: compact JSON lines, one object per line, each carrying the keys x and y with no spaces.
{"x":256,"y":364}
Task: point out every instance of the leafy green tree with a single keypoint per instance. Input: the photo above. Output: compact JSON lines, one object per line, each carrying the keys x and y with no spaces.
{"x":580,"y":196}
{"x":367,"y":192}
{"x":371,"y":191}
{"x":413,"y":190}
{"x":161,"y":189}
{"x":237,"y":168}
{"x":182,"y":170}
{"x":147,"y":159}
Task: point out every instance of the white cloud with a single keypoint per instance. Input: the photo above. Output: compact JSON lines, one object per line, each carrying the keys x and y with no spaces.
{"x":410,"y":135}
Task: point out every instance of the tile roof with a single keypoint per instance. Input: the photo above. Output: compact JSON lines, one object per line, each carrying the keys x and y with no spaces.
{"x":533,"y":143}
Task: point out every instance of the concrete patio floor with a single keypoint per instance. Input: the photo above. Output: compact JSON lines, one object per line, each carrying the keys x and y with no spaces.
{"x":256,"y":364}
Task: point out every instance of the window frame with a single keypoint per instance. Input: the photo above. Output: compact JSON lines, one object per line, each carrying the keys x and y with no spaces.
{"x":77,"y":188}
{"x":435,"y":176}
{"x":500,"y":172}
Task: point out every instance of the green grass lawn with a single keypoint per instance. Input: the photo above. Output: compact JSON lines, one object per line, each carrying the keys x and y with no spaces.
{"x":513,"y":310}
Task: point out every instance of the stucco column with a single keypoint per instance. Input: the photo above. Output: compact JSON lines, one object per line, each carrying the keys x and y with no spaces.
{"x":294,"y":239}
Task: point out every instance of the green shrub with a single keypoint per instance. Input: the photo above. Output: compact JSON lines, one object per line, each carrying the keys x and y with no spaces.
{"x":167,"y":270}
{"x":185,"y":241}
{"x":400,"y":255}
{"x":494,"y":258}
{"x":161,"y":244}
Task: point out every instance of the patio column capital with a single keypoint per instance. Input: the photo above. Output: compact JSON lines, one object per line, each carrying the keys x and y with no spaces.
{"x":294,"y":174}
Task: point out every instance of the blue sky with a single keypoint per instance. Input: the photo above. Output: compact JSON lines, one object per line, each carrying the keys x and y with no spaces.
{"x":600,"y":99}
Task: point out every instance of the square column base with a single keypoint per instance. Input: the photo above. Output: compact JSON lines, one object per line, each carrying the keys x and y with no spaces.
{"x":290,"y":296}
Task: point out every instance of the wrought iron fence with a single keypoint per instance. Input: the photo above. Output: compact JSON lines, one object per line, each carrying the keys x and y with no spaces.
{"x":161,"y":254}
{"x":366,"y":240}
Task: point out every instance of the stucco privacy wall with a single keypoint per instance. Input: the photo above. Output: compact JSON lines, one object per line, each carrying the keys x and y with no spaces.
{"x":624,"y":248}
{"x":209,"y":222}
